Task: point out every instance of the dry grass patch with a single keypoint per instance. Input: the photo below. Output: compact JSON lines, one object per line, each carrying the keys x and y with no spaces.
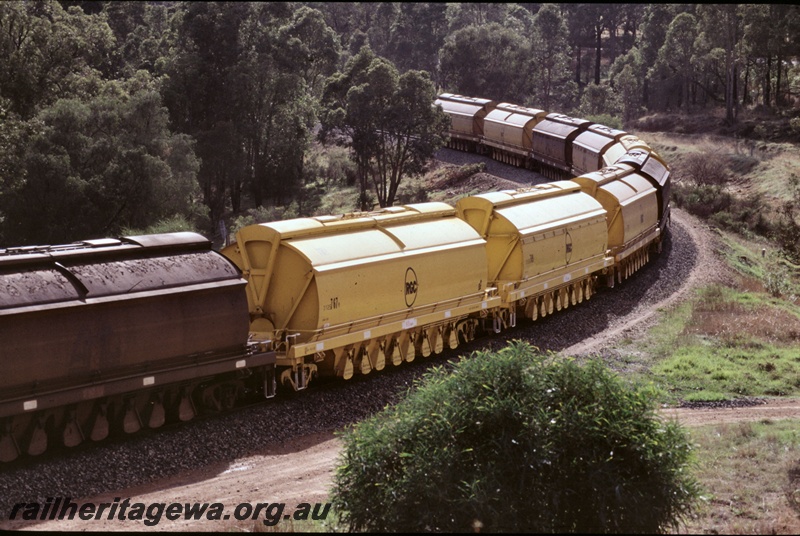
{"x":748,"y":472}
{"x":737,"y":323}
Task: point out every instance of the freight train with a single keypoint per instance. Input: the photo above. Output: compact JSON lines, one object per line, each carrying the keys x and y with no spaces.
{"x":130,"y":333}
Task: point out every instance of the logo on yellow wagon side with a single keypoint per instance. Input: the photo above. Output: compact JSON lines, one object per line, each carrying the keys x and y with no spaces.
{"x":411,"y":287}
{"x":568,"y":247}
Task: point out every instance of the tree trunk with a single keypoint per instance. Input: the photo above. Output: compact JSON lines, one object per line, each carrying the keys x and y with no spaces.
{"x":745,"y":96}
{"x":598,"y":53}
{"x":735,"y":97}
{"x":730,"y":91}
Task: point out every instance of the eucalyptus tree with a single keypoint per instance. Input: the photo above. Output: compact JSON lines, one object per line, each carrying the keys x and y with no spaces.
{"x":653,"y":32}
{"x":47,"y":53}
{"x":488,"y":61}
{"x":241,"y":82}
{"x":417,"y":35}
{"x":771,"y":36}
{"x":93,"y":166}
{"x":278,"y":77}
{"x":198,"y":93}
{"x":676,"y":56}
{"x":144,"y":31}
{"x":551,"y":82}
{"x":720,"y":28}
{"x":588,"y":25}
{"x":463,"y":14}
{"x":386,"y":119}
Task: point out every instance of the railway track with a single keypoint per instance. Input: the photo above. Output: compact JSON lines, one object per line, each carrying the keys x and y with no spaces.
{"x":122,"y":463}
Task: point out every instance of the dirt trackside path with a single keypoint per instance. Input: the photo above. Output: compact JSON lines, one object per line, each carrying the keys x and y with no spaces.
{"x":770,"y":410}
{"x":297,"y":472}
{"x":301,"y":471}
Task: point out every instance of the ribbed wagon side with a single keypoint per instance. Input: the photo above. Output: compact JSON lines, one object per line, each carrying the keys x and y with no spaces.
{"x":116,"y":334}
{"x":632,"y":205}
{"x":545,"y":245}
{"x":466,"y":119}
{"x":343,"y":294}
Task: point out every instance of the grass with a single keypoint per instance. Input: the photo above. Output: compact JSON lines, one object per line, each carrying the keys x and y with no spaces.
{"x":764,"y":456}
{"x":740,"y":338}
{"x":726,"y":343}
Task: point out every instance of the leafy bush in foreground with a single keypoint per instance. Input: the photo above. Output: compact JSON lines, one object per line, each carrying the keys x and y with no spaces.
{"x":516,"y":441}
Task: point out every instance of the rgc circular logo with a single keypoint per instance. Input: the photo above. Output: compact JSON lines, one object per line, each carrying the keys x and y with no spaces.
{"x":411,"y":287}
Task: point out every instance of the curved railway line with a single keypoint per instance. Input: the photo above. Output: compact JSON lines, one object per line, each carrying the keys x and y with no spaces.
{"x":651,"y":281}
{"x":293,"y":462}
{"x":216,"y":441}
{"x":109,"y":335}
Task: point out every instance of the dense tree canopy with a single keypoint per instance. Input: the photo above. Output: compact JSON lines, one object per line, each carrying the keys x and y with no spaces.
{"x":386,"y":119}
{"x":239,"y":87}
{"x":95,"y":166}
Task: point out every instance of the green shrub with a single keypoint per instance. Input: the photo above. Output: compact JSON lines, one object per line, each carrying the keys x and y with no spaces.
{"x":263,"y":214}
{"x":702,"y":200}
{"x":706,"y":168}
{"x":173,"y":224}
{"x":516,"y":441}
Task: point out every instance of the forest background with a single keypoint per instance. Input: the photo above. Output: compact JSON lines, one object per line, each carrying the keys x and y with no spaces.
{"x":129,"y":117}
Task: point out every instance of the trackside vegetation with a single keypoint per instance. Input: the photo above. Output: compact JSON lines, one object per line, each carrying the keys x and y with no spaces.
{"x":517,"y":441}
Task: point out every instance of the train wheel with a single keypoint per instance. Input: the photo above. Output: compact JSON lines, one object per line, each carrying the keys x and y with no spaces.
{"x":375,"y":355}
{"x":423,"y":345}
{"x":155,"y":410}
{"x":36,"y":436}
{"x":451,"y":335}
{"x":532,"y":308}
{"x":349,"y":368}
{"x":131,"y":422}
{"x":342,"y":364}
{"x":9,"y":450}
{"x":186,"y":407}
{"x":467,"y":329}
{"x":362,"y":360}
{"x":71,"y":432}
{"x":437,"y":342}
{"x":392,"y":350}
{"x":98,"y":421}
{"x":407,"y":347}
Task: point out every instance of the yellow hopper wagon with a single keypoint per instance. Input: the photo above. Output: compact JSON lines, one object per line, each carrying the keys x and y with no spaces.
{"x":466,"y":119}
{"x":545,"y":245}
{"x":632,"y":204}
{"x":343,"y":294}
{"x":508,"y":133}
